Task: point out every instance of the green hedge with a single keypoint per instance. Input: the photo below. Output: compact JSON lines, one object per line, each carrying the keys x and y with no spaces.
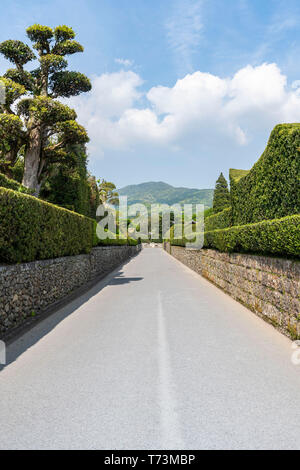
{"x":31,"y":229}
{"x":271,"y":189}
{"x":110,"y":241}
{"x":118,"y":242}
{"x":12,"y":184}
{"x":278,"y":237}
{"x":221,"y":220}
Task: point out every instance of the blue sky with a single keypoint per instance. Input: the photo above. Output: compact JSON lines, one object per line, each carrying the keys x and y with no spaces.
{"x":183,"y":89}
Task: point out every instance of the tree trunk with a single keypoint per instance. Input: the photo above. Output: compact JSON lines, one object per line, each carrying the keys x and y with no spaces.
{"x":32,"y":159}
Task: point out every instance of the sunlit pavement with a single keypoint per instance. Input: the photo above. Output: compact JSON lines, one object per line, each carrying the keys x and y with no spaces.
{"x":153,"y":357}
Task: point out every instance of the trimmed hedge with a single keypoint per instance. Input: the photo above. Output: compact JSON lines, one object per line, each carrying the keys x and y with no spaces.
{"x":221,"y":220}
{"x":278,"y":237}
{"x":31,"y":229}
{"x":12,"y":184}
{"x":118,"y":242}
{"x":110,"y":241}
{"x":271,"y":189}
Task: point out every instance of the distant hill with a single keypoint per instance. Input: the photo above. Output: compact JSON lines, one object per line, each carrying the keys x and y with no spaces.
{"x":163,"y":193}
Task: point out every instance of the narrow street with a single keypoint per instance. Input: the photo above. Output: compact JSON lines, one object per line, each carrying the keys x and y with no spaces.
{"x":152,"y":357}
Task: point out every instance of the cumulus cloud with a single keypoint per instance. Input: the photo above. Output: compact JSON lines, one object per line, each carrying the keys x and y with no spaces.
{"x":199,"y":111}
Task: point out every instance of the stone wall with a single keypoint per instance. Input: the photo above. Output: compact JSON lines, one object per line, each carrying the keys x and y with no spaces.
{"x":29,"y":288}
{"x":268,"y":286}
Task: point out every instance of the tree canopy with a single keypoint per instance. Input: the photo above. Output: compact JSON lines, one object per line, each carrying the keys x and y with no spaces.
{"x":32,"y":120}
{"x":108,"y":192}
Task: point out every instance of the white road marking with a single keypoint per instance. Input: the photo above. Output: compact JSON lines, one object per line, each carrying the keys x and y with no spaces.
{"x":171,"y":434}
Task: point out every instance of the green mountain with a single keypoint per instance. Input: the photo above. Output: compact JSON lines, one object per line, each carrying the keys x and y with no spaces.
{"x":162,"y":193}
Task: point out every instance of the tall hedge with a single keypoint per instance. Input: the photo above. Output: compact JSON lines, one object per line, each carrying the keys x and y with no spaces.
{"x":277,"y":237}
{"x":12,"y":184}
{"x":221,"y":220}
{"x":31,"y":229}
{"x":271,"y":189}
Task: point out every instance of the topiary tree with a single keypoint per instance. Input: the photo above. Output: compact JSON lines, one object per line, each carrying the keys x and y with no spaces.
{"x":221,"y":195}
{"x":32,"y":117}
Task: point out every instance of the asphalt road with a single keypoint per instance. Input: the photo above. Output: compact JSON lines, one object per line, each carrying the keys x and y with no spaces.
{"x":152,"y":357}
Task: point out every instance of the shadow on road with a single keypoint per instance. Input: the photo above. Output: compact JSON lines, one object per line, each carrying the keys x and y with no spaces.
{"x":28,"y":335}
{"x":123,"y":280}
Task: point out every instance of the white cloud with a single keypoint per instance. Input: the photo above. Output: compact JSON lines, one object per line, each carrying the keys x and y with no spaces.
{"x":183,"y":29}
{"x":198,"y":112}
{"x":112,"y":94}
{"x":124,"y":62}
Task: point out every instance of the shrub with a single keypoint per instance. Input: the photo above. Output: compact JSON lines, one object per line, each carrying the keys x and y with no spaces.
{"x":11,"y":184}
{"x":133,"y":242}
{"x":221,"y":220}
{"x":110,"y":241}
{"x":271,"y":189}
{"x":183,"y":240}
{"x":31,"y":229}
{"x":277,"y":236}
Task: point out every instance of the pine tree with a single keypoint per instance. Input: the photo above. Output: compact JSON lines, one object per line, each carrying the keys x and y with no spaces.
{"x":221,"y":195}
{"x":31,"y":117}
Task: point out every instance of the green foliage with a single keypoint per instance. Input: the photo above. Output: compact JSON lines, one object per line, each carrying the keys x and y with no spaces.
{"x":270,"y":237}
{"x":68,"y":47}
{"x":236,"y":175}
{"x":221,"y":220}
{"x":221,"y":195}
{"x":277,"y":236}
{"x":63,"y":33}
{"x":39,"y":34}
{"x":94,"y":199}
{"x":175,"y":231}
{"x":51,"y":63}
{"x":69,"y":190}
{"x":10,"y":131}
{"x":21,"y":77}
{"x":71,"y":132}
{"x":107,"y":192}
{"x":11,"y":184}
{"x":16,"y":52}
{"x":208,"y":212}
{"x":115,"y":240}
{"x":118,"y":242}
{"x":271,"y":189}
{"x":68,"y":84}
{"x":13,"y":91}
{"x":68,"y":184}
{"x":31,"y":229}
{"x":17,"y":171}
{"x":45,"y":110}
